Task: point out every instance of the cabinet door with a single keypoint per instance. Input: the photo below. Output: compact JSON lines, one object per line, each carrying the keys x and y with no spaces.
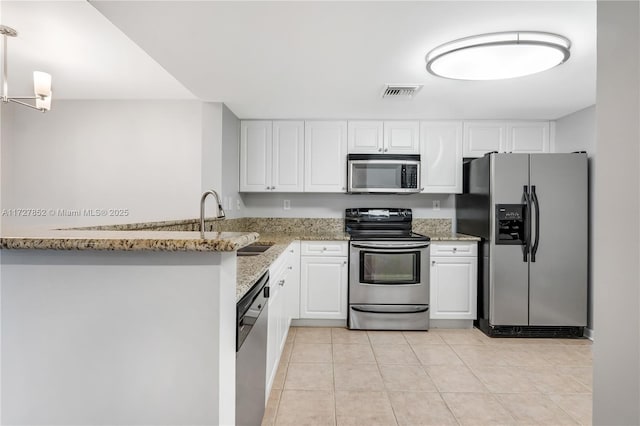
{"x":528,"y":136}
{"x":288,"y":156}
{"x":401,"y":137}
{"x":453,"y":288}
{"x":255,"y":156}
{"x":323,"y":287}
{"x":441,"y":155}
{"x":325,"y":152}
{"x":365,"y":137}
{"x":481,"y":137}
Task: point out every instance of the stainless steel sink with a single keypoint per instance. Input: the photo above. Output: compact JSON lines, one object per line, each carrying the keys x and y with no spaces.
{"x":254,"y":249}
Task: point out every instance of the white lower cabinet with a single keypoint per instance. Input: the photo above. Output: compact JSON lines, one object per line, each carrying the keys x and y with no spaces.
{"x":323,"y":280}
{"x":453,"y":280}
{"x":284,"y":283}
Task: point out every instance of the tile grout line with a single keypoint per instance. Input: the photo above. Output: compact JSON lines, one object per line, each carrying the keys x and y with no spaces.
{"x":384,"y":385}
{"x":333,"y":380}
{"x":440,"y":392}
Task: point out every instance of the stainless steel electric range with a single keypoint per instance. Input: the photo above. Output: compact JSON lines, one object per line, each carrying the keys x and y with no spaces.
{"x":388,"y":271}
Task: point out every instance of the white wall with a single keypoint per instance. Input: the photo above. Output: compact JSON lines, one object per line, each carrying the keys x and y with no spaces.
{"x":333,"y":205}
{"x":220,"y":161}
{"x":231,"y":162}
{"x":211,"y":150}
{"x":143,"y":156}
{"x":577,"y":132}
{"x":616,"y":350}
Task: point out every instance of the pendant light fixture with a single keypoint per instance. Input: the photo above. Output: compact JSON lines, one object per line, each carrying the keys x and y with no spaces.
{"x":498,"y":56}
{"x":41,"y":80}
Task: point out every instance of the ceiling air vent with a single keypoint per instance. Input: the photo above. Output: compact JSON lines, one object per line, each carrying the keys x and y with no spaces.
{"x":401,"y":90}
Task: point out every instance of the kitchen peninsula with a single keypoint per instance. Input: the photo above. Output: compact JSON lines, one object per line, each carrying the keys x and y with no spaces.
{"x":119,"y":327}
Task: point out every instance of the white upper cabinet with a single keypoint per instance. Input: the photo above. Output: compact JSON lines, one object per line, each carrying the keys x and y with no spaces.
{"x":271,"y":156}
{"x":528,"y":136}
{"x":401,"y":137}
{"x":441,"y":156}
{"x":255,"y":156}
{"x":325,"y":156}
{"x":481,"y":137}
{"x":365,"y":137}
{"x":383,"y":137}
{"x":288,"y":156}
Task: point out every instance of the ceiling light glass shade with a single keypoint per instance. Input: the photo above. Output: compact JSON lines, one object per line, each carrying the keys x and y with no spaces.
{"x":41,"y":83}
{"x":44,"y":103}
{"x":498,"y":56}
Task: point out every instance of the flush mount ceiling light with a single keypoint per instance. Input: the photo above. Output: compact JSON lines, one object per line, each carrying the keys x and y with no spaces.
{"x":41,"y":80}
{"x":498,"y":56}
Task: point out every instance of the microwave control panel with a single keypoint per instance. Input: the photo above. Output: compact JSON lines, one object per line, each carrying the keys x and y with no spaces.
{"x":410,"y":176}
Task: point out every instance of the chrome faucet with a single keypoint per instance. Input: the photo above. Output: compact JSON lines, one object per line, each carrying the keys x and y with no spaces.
{"x":220,"y":210}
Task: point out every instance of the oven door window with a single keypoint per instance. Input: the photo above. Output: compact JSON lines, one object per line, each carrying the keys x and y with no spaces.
{"x":389,"y":268}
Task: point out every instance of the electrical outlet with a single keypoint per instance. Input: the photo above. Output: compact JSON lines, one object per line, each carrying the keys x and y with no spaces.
{"x":287,"y":205}
{"x":436,"y":204}
{"x":238,"y":204}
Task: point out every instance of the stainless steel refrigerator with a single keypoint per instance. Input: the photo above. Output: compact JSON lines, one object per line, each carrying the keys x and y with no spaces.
{"x":531,"y":211}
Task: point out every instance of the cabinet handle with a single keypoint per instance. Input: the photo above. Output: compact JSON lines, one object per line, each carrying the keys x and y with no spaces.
{"x":268,"y":188}
{"x":433,"y":263}
{"x":291,"y":251}
{"x":290,"y":268}
{"x":343,"y":188}
{"x":455,"y":249}
{"x":386,"y":149}
{"x":281,"y":283}
{"x":379,"y":149}
{"x":344,"y":262}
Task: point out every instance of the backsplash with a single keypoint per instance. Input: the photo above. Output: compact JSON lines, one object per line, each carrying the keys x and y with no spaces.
{"x":432,"y":226}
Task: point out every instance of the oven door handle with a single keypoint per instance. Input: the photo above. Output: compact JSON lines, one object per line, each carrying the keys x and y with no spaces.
{"x":394,"y":246}
{"x":404,"y":310}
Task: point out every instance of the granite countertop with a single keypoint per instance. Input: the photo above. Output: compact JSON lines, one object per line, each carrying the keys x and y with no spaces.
{"x":69,"y":239}
{"x":251,"y":268}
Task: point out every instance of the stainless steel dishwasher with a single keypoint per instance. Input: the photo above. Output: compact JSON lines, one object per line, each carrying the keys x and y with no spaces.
{"x":251,"y":353}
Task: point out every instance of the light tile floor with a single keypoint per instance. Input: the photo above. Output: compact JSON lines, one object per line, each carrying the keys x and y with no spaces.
{"x":335,"y":376}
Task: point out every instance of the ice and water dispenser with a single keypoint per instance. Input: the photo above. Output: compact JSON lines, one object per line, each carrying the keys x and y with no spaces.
{"x":510,"y":224}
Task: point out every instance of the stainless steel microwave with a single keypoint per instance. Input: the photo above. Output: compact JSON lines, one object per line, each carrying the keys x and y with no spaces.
{"x":383,"y":173}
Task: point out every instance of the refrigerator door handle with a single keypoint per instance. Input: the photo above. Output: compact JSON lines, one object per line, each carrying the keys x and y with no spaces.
{"x":536,"y":241}
{"x":527,"y":224}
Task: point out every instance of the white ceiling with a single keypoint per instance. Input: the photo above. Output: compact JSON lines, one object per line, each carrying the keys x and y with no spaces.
{"x":87,"y":56}
{"x":302,"y":59}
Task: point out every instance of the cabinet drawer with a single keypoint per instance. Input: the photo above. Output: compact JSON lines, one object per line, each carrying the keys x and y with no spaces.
{"x":454,"y":248}
{"x":324,"y":248}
